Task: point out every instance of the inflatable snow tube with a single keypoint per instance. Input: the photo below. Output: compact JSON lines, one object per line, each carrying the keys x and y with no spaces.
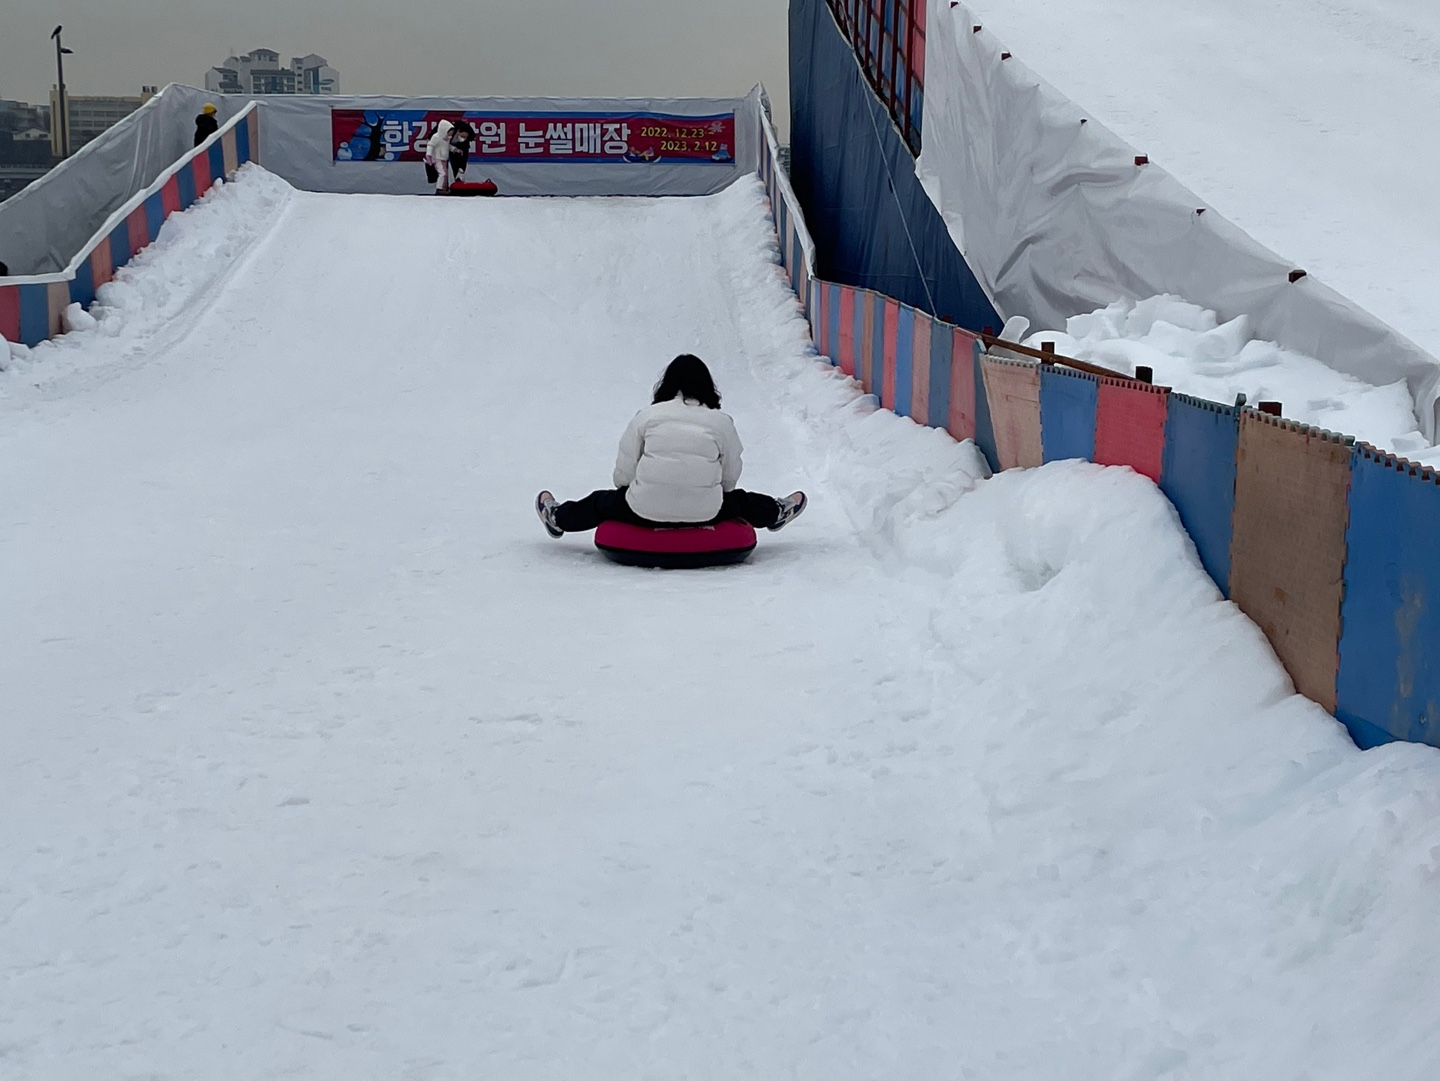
{"x":465,"y":187}
{"x":671,"y":547}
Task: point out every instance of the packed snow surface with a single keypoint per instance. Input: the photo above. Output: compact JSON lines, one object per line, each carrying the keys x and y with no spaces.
{"x":321,"y":759}
{"x":1308,"y":123}
{"x":1190,"y":350}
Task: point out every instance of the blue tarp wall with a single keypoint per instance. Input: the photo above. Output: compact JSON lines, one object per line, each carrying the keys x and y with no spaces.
{"x":874,"y":226}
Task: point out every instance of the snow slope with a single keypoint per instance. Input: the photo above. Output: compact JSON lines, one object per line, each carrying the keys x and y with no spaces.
{"x":321,"y":759}
{"x":1305,"y":122}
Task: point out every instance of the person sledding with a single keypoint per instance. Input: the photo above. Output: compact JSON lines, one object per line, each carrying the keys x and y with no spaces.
{"x":678,"y":465}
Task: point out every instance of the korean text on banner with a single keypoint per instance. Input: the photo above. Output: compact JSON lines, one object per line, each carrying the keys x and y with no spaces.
{"x":400,"y":135}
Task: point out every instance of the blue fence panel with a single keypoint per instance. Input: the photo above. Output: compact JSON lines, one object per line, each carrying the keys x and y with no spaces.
{"x":833,"y":332}
{"x":1198,"y":476}
{"x":942,"y":344}
{"x":34,"y":314}
{"x":877,"y":347}
{"x":242,"y":143}
{"x":1389,"y":682}
{"x":154,"y":215}
{"x":904,"y":361}
{"x":1068,"y":401}
{"x":82,"y":286}
{"x":984,"y":427}
{"x":120,"y":252}
{"x":185,"y":182}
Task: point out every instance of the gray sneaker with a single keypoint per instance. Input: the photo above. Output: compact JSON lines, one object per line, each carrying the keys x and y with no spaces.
{"x":545,"y":507}
{"x":791,"y":507}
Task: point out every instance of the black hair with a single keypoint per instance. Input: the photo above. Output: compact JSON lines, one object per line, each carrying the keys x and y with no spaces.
{"x":687,"y":377}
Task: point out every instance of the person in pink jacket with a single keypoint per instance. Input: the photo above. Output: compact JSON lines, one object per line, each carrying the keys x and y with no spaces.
{"x":679,"y":464}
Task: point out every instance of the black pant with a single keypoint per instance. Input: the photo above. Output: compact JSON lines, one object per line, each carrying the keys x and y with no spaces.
{"x":610,"y":505}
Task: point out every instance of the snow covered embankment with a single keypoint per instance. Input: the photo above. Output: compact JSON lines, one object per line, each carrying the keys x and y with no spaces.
{"x":1140,"y":805}
{"x":161,"y":287}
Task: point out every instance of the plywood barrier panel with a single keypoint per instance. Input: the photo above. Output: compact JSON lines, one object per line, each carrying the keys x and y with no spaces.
{"x":832,"y":324}
{"x":217,"y":162}
{"x":170,"y":197}
{"x":102,"y":263}
{"x":964,"y":364}
{"x":877,"y":345}
{"x":920,"y":370}
{"x":185,"y":181}
{"x":1130,"y":426}
{"x":1287,"y":551}
{"x":941,"y":376}
{"x":984,"y":430}
{"x":847,"y":333}
{"x":904,"y":359}
{"x":887,"y":351}
{"x":1067,"y":413}
{"x":866,"y":362}
{"x":120,"y":252}
{"x":137,"y":225}
{"x":34,"y":313}
{"x":1199,"y":476}
{"x":252,"y":131}
{"x":1389,"y":682}
{"x":242,"y":142}
{"x":1012,"y":390}
{"x":200,"y":166}
{"x":10,"y":313}
{"x":821,"y":326}
{"x":227,"y":147}
{"x":81,"y":288}
{"x":57,"y":295}
{"x":800,"y":275}
{"x":154,"y":207}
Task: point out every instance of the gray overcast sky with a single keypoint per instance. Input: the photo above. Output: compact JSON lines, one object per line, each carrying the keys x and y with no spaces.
{"x":540,"y":47}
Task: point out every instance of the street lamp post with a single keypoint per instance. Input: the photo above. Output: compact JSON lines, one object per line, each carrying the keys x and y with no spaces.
{"x":61,"y":107}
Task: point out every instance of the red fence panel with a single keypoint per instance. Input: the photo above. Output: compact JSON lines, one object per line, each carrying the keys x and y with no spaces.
{"x":846,"y":347}
{"x":1130,"y":425}
{"x":892,"y":330}
{"x":920,"y":369}
{"x":962,"y":385}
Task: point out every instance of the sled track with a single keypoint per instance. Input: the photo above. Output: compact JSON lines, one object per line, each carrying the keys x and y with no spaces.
{"x":322,"y":758}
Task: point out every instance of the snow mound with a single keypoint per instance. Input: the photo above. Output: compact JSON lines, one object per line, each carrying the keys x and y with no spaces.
{"x":1193,"y":352}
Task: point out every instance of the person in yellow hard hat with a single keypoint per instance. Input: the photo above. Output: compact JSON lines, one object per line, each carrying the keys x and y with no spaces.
{"x":205,"y":124}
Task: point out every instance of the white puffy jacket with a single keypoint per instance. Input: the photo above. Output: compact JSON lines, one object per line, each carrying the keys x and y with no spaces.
{"x":677,"y":459}
{"x":438,"y":148}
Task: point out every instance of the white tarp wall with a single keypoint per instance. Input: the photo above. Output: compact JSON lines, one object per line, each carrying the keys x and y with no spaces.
{"x":1056,"y":218}
{"x":296,"y":143}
